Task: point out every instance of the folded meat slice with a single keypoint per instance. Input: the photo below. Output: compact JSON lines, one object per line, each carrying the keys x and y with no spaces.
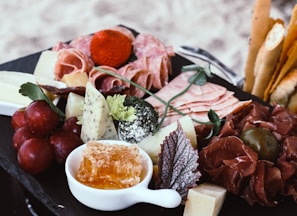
{"x":72,"y":60}
{"x":125,"y":31}
{"x":196,"y":101}
{"x":204,"y":93}
{"x":228,"y":161}
{"x":287,"y":162}
{"x":138,"y":75}
{"x":82,"y":43}
{"x":105,"y":82}
{"x":154,"y":56}
{"x":265,"y":184}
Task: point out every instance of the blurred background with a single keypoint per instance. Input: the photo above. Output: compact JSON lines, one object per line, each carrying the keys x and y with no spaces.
{"x":220,"y":26}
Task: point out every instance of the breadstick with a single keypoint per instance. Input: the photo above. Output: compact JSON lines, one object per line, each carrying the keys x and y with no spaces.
{"x":267,"y":58}
{"x":259,"y":29}
{"x":290,"y":38}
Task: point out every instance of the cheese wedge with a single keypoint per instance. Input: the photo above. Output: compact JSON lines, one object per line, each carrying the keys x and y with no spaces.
{"x":152,"y":143}
{"x":205,"y":200}
{"x":96,"y":122}
{"x":45,"y":66}
{"x":10,"y":82}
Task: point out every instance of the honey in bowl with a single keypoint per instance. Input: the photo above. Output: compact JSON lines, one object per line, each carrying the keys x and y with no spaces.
{"x":110,"y":166}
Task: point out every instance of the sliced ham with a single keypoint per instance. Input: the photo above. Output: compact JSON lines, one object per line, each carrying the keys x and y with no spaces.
{"x":196,"y":101}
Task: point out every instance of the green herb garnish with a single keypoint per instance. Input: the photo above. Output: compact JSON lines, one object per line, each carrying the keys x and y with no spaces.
{"x":34,"y":92}
{"x":118,"y":110}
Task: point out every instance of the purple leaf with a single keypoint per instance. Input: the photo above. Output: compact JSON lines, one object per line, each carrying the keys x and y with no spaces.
{"x":178,"y":164}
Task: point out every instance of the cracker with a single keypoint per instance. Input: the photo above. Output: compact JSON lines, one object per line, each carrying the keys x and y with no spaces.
{"x":259,"y":29}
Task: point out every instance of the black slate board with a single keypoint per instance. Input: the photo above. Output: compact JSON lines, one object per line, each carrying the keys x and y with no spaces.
{"x":49,"y":193}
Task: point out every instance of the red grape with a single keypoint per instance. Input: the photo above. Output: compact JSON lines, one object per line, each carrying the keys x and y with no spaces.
{"x":20,"y":136}
{"x":71,"y":125}
{"x":35,"y":155}
{"x":18,"y":119}
{"x":63,"y":142}
{"x":40,"y":118}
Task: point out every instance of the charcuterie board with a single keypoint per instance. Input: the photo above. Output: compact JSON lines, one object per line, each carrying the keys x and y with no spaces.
{"x":49,"y":194}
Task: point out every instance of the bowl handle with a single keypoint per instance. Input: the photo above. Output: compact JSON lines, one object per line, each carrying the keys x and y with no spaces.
{"x":167,"y":198}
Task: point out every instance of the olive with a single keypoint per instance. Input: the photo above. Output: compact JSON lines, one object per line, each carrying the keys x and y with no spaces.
{"x":261,"y":141}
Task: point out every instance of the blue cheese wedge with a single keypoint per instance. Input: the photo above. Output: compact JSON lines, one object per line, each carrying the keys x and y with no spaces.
{"x":205,"y":200}
{"x":96,"y":122}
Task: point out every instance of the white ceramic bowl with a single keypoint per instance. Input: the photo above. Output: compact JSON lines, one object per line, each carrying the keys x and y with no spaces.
{"x":112,"y":200}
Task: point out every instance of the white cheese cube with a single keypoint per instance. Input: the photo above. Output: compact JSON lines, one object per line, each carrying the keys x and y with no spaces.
{"x":205,"y":200}
{"x":74,"y":105}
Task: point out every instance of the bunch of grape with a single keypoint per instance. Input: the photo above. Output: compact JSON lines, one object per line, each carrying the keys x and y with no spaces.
{"x":41,"y":137}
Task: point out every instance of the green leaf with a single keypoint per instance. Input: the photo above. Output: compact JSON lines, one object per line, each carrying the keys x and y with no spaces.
{"x":118,"y":110}
{"x":34,"y":92}
{"x":216,"y":123}
{"x":200,"y":78}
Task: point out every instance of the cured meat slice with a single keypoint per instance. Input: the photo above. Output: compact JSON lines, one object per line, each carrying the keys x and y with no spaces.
{"x":70,"y":61}
{"x":82,"y":43}
{"x":60,"y":45}
{"x":140,"y":76}
{"x":125,"y":31}
{"x":264,"y":185}
{"x":103,"y":81}
{"x":227,"y":161}
{"x":207,"y":92}
{"x":154,"y":56}
{"x":196,"y":101}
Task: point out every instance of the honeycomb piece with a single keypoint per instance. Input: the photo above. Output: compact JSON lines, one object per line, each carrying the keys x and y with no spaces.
{"x":110,"y":166}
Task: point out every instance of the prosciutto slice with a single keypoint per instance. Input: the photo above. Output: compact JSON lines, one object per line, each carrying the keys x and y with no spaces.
{"x":72,"y":61}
